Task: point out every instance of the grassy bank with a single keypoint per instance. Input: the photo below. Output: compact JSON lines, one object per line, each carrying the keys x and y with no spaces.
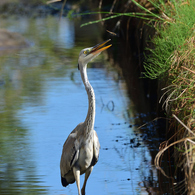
{"x":173,"y":62}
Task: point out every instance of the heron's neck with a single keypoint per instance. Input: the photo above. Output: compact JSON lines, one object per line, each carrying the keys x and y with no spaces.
{"x":90,"y":119}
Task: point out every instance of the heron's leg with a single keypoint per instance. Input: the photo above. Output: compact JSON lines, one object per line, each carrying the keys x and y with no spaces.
{"x":76,"y":172}
{"x":87,"y":173}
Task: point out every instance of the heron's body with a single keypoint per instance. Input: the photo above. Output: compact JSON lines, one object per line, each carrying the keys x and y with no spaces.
{"x":81,"y":149}
{"x":78,"y":151}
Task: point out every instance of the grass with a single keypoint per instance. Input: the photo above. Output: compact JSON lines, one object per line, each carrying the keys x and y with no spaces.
{"x":145,"y":14}
{"x":171,"y":37}
{"x":173,"y":60}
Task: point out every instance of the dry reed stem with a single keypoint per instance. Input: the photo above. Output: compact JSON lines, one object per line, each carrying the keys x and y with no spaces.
{"x":181,"y":95}
{"x":178,"y":95}
{"x":52,"y":1}
{"x":164,"y":94}
{"x":157,"y":158}
{"x":157,"y":118}
{"x":62,"y":8}
{"x":113,"y":4}
{"x":183,"y":125}
{"x":166,"y":102}
{"x":188,"y":69}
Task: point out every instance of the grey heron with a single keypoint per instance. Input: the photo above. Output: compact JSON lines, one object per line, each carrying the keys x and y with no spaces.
{"x":81,"y":149}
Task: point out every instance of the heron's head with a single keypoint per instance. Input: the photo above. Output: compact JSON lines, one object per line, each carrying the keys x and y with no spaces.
{"x":86,"y":55}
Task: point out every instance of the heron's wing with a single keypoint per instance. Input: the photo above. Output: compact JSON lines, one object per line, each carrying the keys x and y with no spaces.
{"x":70,"y":152}
{"x":96,"y":148}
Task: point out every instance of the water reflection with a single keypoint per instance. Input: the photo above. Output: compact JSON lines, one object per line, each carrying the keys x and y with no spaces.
{"x":43,"y":99}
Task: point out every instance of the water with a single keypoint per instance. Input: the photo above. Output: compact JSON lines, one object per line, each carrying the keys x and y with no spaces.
{"x":42,"y":99}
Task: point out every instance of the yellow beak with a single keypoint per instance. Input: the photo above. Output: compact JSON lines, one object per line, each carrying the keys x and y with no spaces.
{"x":100,"y":47}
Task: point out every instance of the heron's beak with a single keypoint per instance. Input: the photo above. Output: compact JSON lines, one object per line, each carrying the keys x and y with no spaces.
{"x":100,"y":47}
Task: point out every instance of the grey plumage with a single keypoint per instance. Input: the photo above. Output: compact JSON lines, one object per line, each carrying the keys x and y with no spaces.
{"x":81,"y":149}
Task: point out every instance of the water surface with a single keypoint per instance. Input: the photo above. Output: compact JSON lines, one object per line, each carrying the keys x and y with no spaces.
{"x":42,"y":99}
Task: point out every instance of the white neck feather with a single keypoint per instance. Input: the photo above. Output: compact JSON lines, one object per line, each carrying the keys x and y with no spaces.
{"x":90,"y":119}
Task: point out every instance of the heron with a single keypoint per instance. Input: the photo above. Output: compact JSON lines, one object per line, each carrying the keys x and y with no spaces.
{"x":81,"y":149}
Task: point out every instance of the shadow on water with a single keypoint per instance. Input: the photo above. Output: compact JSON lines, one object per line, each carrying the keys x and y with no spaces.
{"x":128,"y":56}
{"x":42,"y":99}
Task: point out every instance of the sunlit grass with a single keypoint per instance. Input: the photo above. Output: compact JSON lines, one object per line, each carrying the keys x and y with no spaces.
{"x":170,"y":37}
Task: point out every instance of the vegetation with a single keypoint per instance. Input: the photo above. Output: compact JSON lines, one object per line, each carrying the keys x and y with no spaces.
{"x":173,"y":60}
{"x":171,"y":37}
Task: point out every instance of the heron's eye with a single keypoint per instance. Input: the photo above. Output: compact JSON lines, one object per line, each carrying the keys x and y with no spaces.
{"x":86,"y":52}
